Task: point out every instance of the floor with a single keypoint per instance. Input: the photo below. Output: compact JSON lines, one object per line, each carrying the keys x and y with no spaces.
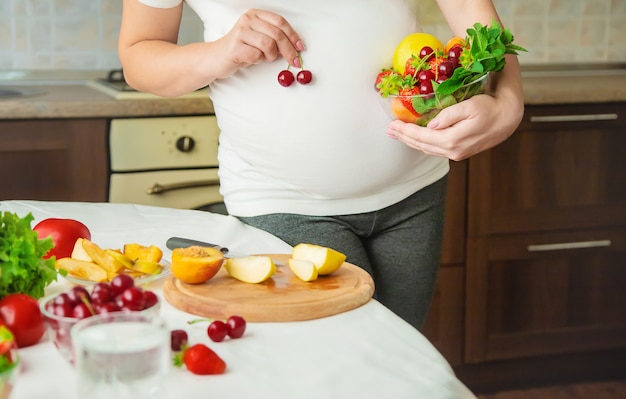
{"x":592,"y":390}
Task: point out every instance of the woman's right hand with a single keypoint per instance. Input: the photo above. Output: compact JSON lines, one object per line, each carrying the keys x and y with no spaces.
{"x":257,"y":36}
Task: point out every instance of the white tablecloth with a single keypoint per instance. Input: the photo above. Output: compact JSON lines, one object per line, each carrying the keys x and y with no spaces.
{"x":364,"y":353}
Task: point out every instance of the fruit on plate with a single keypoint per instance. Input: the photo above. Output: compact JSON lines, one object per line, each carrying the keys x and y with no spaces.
{"x":325,"y":259}
{"x":63,"y":232}
{"x":427,"y":76}
{"x":252,"y":269}
{"x":196,"y":264}
{"x":304,"y":269}
{"x":90,"y":262}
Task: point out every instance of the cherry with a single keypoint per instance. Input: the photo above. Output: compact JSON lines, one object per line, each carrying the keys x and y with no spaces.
{"x":149,"y":299}
{"x":236,"y":326}
{"x":446,"y":68}
{"x":426,"y":87}
{"x":132,"y":298}
{"x":217,"y":331}
{"x":81,"y":311}
{"x":106,"y":307}
{"x":285,"y":78}
{"x":62,"y":299}
{"x":304,"y":77}
{"x":425,"y":75}
{"x":78,"y":295}
{"x":455,"y":52}
{"x":426,"y":53}
{"x":178,"y":338}
{"x":100,"y":295}
{"x":120,"y":283}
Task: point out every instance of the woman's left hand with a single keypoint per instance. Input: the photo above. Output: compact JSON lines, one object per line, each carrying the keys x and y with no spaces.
{"x":462,"y":130}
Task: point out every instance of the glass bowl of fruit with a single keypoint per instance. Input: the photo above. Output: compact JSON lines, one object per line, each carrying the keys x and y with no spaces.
{"x":419,"y":101}
{"x":62,"y":311}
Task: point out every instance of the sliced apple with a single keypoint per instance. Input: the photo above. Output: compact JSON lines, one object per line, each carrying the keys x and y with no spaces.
{"x":120,"y":257}
{"x":146,"y":267}
{"x":79,"y":252}
{"x":82,"y":269}
{"x":102,"y":258}
{"x":252,"y":269}
{"x":305,"y":270}
{"x":326,"y":260}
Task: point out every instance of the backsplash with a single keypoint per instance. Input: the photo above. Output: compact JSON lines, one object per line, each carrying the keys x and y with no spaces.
{"x":82,"y":35}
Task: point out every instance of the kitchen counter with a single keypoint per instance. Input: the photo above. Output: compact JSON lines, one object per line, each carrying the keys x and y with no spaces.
{"x":551,"y":84}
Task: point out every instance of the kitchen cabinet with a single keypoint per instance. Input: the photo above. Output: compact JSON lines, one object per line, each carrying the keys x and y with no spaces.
{"x":546,"y":237}
{"x":50,"y":159}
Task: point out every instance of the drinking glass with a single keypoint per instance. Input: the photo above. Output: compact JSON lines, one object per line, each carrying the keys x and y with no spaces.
{"x":122,"y":355}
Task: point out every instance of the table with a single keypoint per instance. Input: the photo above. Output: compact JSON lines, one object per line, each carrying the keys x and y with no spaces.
{"x":365,"y":353}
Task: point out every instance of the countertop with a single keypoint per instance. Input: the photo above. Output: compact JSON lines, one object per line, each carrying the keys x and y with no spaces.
{"x":74,"y":98}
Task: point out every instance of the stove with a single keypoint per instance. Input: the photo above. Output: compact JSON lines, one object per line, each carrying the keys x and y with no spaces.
{"x":115,"y":86}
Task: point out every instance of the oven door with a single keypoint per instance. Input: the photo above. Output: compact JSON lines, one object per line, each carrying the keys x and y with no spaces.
{"x":166,"y":161}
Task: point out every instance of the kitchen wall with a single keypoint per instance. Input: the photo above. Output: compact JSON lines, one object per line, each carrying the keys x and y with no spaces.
{"x":82,"y":34}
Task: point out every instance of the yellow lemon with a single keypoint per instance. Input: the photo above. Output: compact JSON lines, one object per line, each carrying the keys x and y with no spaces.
{"x":326,"y":260}
{"x":411,"y":45}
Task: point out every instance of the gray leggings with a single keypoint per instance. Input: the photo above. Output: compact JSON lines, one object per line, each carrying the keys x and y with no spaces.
{"x":400,"y":246}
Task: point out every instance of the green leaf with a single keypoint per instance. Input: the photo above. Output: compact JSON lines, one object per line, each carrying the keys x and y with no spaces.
{"x":22,"y":267}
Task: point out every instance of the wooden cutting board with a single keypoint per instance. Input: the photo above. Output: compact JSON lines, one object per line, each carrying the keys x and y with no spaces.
{"x":283,"y":297}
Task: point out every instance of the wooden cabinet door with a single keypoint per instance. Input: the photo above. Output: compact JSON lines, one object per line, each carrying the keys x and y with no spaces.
{"x":526,"y":297}
{"x":562,"y":169}
{"x":60,"y":160}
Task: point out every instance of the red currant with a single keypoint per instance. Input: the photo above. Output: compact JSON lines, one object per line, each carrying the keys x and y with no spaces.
{"x":304,"y":77}
{"x":236,"y":326}
{"x":285,"y":78}
{"x":217,"y":331}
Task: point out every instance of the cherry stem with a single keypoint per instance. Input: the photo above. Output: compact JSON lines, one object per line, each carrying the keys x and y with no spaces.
{"x":195,"y":321}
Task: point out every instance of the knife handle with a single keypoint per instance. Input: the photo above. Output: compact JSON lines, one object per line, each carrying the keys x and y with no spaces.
{"x":179,"y":242}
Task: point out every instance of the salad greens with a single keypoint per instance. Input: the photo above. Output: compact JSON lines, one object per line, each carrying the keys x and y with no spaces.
{"x":487,"y":47}
{"x":22,"y":267}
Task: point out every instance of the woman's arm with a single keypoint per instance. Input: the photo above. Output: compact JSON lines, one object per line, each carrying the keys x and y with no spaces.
{"x":154,"y":62}
{"x":481,"y":122}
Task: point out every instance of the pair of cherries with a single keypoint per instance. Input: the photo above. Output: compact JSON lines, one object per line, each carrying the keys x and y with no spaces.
{"x":286,"y":78}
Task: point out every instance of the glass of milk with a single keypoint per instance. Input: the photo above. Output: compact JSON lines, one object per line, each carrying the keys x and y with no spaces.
{"x":122,"y":355}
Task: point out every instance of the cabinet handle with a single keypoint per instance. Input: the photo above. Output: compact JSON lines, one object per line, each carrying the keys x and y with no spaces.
{"x":160,"y":188}
{"x":574,"y":118}
{"x":569,"y":245}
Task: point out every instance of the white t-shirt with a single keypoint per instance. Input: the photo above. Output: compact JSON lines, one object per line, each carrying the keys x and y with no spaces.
{"x":321,"y":148}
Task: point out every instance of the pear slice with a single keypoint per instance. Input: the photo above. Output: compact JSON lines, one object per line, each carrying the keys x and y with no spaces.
{"x":305,"y":270}
{"x":326,"y":260}
{"x":252,"y":269}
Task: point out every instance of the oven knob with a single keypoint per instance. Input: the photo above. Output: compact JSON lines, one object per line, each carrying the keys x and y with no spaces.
{"x":185,"y":144}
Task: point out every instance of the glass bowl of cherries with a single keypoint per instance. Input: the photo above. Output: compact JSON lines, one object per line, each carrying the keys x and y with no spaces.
{"x":61,"y":311}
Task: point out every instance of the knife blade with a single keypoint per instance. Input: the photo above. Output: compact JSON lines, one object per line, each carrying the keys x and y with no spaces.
{"x":180,"y":242}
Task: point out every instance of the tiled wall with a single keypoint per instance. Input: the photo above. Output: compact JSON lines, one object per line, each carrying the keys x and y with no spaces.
{"x":82,"y":34}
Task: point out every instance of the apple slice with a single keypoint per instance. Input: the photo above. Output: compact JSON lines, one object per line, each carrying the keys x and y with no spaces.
{"x":82,"y":269}
{"x":305,"y":270}
{"x":326,"y":260}
{"x":252,"y":269}
{"x":79,"y":252}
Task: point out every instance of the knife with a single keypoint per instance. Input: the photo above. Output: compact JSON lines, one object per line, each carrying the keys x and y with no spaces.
{"x":179,"y":242}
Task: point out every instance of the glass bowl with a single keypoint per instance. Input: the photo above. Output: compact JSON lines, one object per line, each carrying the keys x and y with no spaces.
{"x":59,"y":327}
{"x":421,"y":109}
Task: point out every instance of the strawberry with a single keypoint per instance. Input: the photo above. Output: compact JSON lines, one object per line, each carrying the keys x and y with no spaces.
{"x":200,"y":359}
{"x":389,"y":82}
{"x":434,"y":65}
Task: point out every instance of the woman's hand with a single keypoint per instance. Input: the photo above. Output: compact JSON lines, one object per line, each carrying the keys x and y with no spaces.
{"x":258,"y":36}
